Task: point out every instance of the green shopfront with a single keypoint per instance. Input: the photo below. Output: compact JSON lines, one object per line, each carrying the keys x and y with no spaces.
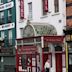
{"x":7,"y":35}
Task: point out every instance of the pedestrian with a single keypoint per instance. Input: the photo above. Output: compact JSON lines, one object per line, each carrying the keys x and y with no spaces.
{"x":47,"y":65}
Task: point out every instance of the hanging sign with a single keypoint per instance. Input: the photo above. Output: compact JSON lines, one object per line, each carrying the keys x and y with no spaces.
{"x":21,"y":9}
{"x":6,"y":6}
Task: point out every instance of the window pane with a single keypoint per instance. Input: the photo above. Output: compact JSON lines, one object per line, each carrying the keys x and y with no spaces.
{"x":30,"y":10}
{"x":10,"y":37}
{"x":2,"y":18}
{"x":45,"y":6}
{"x":9,"y":12}
{"x":70,"y":59}
{"x":1,"y":1}
{"x":23,"y":62}
{"x":58,"y":48}
{"x":1,"y":14}
{"x":2,"y":34}
{"x":9,"y":15}
{"x":21,"y":31}
{"x":56,"y":4}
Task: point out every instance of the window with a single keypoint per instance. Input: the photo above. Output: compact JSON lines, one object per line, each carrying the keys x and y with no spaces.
{"x":45,"y":6}
{"x":58,"y":48}
{"x":8,"y":0}
{"x":10,"y":37}
{"x":70,"y":59}
{"x":9,"y":15}
{"x":30,"y":10}
{"x":2,"y":34}
{"x":1,"y":1}
{"x":21,"y":31}
{"x":24,"y":61}
{"x":1,"y":17}
{"x":56,"y":5}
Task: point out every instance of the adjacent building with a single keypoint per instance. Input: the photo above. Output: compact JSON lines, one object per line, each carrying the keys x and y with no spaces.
{"x":68,"y":34}
{"x":39,"y":28}
{"x":7,"y":35}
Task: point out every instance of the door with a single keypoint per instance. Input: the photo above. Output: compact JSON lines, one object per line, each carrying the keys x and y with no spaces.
{"x":45,"y":57}
{"x":58,"y":62}
{"x":29,"y":63}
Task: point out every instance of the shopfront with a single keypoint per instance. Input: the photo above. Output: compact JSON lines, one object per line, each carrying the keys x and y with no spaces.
{"x":40,"y":43}
{"x":32,"y":57}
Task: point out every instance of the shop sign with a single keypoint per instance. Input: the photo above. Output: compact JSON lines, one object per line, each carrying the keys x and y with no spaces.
{"x":54,"y":39}
{"x":7,"y":26}
{"x":27,"y":50}
{"x":6,"y":6}
{"x":6,"y":51}
{"x":22,"y":9}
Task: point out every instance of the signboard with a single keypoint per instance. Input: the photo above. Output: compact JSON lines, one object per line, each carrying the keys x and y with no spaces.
{"x":6,"y":6}
{"x":7,"y":26}
{"x":27,"y":50}
{"x":22,"y":9}
{"x":54,"y":39}
{"x":6,"y":51}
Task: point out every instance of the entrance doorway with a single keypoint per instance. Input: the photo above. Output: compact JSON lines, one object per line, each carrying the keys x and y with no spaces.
{"x":27,"y":59}
{"x":58,"y":62}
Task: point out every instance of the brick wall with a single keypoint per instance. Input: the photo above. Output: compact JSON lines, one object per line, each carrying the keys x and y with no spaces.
{"x":68,"y":1}
{"x":69,"y":13}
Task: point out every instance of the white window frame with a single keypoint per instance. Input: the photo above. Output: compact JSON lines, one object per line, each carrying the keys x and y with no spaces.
{"x":2,"y":14}
{"x":10,"y":36}
{"x":30,"y":10}
{"x":56,"y":6}
{"x":9,"y":14}
{"x":1,"y":2}
{"x":21,"y":32}
{"x":2,"y":34}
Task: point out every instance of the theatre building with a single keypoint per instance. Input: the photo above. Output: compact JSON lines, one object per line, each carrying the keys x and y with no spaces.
{"x":37,"y":46}
{"x":39,"y":33}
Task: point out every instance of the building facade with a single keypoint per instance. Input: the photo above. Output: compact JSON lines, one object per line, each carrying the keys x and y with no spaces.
{"x":38,"y":23}
{"x":7,"y":35}
{"x":68,"y":33}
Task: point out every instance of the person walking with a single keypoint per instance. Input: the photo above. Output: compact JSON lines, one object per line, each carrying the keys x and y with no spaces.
{"x":47,"y":65}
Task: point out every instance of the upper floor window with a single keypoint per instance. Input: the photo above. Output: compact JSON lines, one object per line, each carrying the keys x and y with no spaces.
{"x":9,"y":0}
{"x":2,"y":34}
{"x":21,"y":31}
{"x":10,"y":37}
{"x":9,"y":15}
{"x":1,"y":1}
{"x":45,"y":6}
{"x":1,"y":17}
{"x":56,"y":5}
{"x":30,"y":10}
{"x":9,"y":12}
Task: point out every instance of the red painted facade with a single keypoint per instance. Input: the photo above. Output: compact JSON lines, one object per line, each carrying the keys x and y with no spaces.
{"x":33,"y":56}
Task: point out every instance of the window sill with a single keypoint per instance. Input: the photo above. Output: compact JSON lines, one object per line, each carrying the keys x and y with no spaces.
{"x":54,"y":14}
{"x":44,"y":16}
